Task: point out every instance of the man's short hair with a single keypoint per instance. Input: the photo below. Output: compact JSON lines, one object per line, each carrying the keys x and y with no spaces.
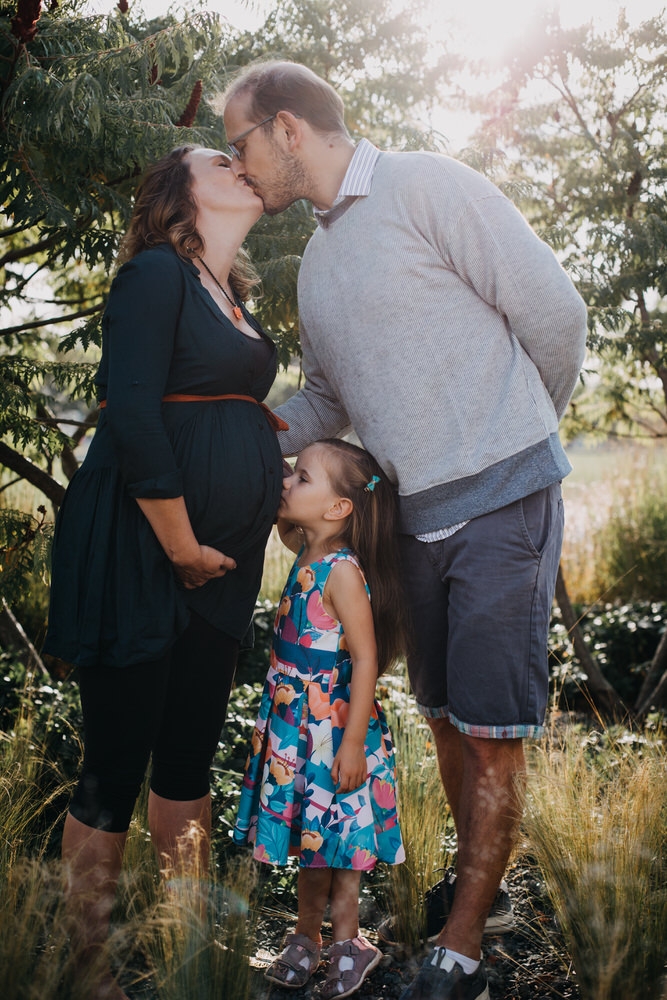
{"x":286,"y":86}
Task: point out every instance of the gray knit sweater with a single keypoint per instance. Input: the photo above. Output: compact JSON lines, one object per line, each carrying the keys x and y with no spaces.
{"x":437,"y":324}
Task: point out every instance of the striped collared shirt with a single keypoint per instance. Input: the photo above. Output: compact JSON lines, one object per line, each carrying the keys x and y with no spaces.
{"x":357,"y":181}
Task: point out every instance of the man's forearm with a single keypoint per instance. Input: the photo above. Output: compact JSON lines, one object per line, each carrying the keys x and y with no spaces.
{"x":311,"y":417}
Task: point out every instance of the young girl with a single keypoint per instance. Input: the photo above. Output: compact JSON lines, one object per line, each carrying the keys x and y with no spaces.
{"x":320,"y":780}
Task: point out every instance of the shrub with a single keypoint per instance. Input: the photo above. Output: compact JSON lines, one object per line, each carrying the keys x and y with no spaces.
{"x":623,"y":639}
{"x":634,"y":542}
{"x":615,"y":544}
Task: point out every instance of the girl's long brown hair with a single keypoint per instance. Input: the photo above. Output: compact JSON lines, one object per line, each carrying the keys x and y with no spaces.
{"x":165,"y":211}
{"x":371,"y":531}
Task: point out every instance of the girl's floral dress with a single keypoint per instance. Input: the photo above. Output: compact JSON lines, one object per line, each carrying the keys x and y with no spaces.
{"x":289,"y":803}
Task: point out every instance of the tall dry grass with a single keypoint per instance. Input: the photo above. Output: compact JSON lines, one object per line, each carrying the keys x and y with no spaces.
{"x":30,"y":782}
{"x":597,"y":826}
{"x":199,"y":937}
{"x":36,"y":958}
{"x":189,"y":936}
{"x":424,"y":815}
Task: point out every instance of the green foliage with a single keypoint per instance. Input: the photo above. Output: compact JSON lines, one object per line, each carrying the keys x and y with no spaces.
{"x":34,"y":783}
{"x":375,"y":56}
{"x":25,"y":546}
{"x":616,"y":525}
{"x":84,"y":112}
{"x":623,"y":640}
{"x":52,"y":706}
{"x":581,"y":117}
{"x":276,"y":245}
{"x":634,"y":543}
{"x":86,"y":104}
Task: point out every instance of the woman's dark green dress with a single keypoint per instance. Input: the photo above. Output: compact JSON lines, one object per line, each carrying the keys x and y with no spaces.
{"x":115,"y":599}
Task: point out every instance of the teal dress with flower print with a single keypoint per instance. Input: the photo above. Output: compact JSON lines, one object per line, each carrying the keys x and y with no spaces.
{"x":289,"y":803}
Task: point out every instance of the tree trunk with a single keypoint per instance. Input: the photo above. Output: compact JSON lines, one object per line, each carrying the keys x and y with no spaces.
{"x":601,"y":693}
{"x":49,"y":486}
{"x":654,"y":689}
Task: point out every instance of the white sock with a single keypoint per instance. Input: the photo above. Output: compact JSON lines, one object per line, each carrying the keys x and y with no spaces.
{"x":444,"y":958}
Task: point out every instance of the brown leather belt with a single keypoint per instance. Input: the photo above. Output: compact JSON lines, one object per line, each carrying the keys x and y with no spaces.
{"x":276,"y":422}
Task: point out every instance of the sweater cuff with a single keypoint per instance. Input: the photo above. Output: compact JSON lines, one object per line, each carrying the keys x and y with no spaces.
{"x":165,"y":487}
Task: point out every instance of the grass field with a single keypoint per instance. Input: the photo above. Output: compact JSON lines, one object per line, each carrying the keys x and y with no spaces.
{"x":622,"y":486}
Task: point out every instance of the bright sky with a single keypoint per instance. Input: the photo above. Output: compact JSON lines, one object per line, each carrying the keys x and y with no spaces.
{"x":481,"y":29}
{"x":486,"y":24}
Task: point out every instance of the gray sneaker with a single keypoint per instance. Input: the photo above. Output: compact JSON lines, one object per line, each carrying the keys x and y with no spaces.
{"x":438,"y":902}
{"x":434,"y":983}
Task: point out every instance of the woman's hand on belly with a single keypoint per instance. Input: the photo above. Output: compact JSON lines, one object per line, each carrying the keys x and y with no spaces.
{"x":194,"y":564}
{"x":209,"y":564}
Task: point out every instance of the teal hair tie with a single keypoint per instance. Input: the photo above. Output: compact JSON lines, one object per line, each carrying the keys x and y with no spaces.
{"x":369,"y":487}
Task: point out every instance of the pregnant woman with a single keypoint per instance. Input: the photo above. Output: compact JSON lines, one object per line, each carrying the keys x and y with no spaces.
{"x":160,"y":540}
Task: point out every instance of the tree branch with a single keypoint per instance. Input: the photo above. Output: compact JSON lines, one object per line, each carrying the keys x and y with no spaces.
{"x":654,"y":689}
{"x":64,"y":302}
{"x":21,"y":252}
{"x":32,"y":473}
{"x":11,"y":631}
{"x":570,"y":100}
{"x":68,"y":459}
{"x":85,"y":425}
{"x":12,"y":482}
{"x":624,"y":107}
{"x":656,"y":409}
{"x":57,"y":421}
{"x":6,"y":233}
{"x":600,"y":691}
{"x":35,"y":324}
{"x":18,"y":288}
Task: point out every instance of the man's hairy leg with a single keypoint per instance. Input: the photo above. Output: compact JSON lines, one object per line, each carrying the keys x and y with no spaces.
{"x":484,"y":781}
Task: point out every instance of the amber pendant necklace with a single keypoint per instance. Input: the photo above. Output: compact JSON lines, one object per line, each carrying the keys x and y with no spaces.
{"x":236,"y":308}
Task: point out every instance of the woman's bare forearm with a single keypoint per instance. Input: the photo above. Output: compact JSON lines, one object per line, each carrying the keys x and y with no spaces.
{"x":170,"y":521}
{"x":194,"y":563}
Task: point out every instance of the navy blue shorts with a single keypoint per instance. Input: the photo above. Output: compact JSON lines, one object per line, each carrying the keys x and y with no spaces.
{"x":480,"y":603}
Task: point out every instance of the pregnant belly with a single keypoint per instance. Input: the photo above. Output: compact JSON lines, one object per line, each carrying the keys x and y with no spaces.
{"x":232,"y":472}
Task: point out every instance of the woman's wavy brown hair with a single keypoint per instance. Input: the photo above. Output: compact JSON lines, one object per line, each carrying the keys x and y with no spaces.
{"x":165,"y":211}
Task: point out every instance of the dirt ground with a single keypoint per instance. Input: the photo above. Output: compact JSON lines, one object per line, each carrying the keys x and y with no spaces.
{"x":528,"y":963}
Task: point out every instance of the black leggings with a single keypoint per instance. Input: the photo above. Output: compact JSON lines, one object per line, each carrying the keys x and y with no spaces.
{"x":173,"y":708}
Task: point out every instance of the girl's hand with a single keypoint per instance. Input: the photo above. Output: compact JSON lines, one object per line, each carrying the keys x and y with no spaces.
{"x":350,"y":768}
{"x":203,"y":566}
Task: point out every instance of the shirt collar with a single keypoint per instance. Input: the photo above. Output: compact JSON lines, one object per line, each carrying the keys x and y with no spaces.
{"x":357,"y":181}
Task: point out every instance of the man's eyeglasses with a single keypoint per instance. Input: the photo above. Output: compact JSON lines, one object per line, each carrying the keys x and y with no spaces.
{"x":234,"y":149}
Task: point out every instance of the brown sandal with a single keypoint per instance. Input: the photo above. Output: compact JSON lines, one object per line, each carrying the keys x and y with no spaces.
{"x":361,"y":958}
{"x":296,"y":963}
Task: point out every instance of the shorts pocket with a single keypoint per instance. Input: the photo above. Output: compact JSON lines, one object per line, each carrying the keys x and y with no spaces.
{"x":537,"y":514}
